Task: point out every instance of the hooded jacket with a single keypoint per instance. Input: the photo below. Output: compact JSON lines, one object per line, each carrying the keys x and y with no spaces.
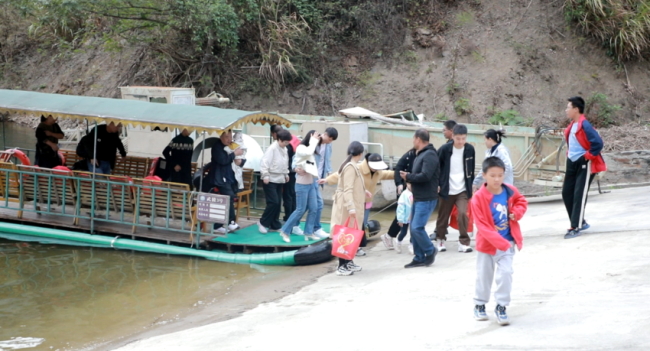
{"x":501,"y":151}
{"x":590,"y":141}
{"x":424,"y":176}
{"x":444,"y":154}
{"x":488,"y":240}
{"x":274,"y":165}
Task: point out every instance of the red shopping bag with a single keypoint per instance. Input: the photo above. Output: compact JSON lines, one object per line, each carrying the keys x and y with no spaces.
{"x":453,"y":222}
{"x":346,"y":240}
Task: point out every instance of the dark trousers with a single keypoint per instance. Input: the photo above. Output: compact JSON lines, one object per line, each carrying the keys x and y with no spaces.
{"x":289,"y":196}
{"x":271,"y":216}
{"x":228,"y":190}
{"x":577,"y":181}
{"x":394,"y":229}
{"x":444,"y":212}
{"x":183,"y":177}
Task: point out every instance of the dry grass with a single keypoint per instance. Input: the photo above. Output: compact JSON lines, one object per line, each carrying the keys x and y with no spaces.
{"x":625,"y":138}
{"x":621,"y":25}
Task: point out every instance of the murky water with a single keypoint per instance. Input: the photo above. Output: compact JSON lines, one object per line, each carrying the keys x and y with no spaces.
{"x":73,"y":297}
{"x":16,"y":135}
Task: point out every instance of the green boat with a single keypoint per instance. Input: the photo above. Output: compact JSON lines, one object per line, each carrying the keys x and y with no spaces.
{"x":127,"y":211}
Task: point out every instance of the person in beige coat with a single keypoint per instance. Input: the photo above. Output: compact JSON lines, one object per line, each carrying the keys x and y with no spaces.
{"x":349,"y":198}
{"x":373,"y":171}
{"x":274,"y":172}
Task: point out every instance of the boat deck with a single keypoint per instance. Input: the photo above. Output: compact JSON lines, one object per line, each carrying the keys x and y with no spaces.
{"x":250,"y":240}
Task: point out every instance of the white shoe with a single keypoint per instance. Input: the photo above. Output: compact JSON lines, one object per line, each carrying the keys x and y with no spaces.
{"x":297,"y":231}
{"x":262,"y":228}
{"x":471,"y":234}
{"x":411,"y":251}
{"x":360,"y":252}
{"x":312,"y":237}
{"x":388,"y":242}
{"x":440,"y":245}
{"x":397,"y":245}
{"x":221,"y":230}
{"x":233,"y":226}
{"x":285,"y":237}
{"x":322,"y":234}
{"x":463,"y":248}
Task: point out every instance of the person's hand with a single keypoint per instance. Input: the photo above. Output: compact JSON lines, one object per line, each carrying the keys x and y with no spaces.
{"x":368,"y":194}
{"x":438,"y":189}
{"x":512,"y":217}
{"x":55,"y":147}
{"x":238,"y":162}
{"x":353,"y":214}
{"x":316,"y":135}
{"x":266,"y":180}
{"x":48,"y":133}
{"x":400,"y":188}
{"x":403,"y":174}
{"x":400,"y":224}
{"x":177,"y":168}
{"x":322,"y":181}
{"x":300,"y":171}
{"x":94,"y":162}
{"x":286,"y":178}
{"x":239,"y":151}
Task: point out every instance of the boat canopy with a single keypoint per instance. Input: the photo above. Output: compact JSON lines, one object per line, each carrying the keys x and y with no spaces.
{"x":132,"y":112}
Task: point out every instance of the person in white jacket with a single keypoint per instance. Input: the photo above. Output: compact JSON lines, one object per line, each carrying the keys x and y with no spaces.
{"x":304,"y":163}
{"x":493,"y":140}
{"x":274,"y":173}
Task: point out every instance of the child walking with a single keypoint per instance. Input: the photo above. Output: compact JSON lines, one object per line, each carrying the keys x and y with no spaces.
{"x":497,"y":209}
{"x":404,"y":206}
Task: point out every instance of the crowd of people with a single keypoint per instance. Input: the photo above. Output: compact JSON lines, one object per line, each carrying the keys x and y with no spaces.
{"x":293,"y":173}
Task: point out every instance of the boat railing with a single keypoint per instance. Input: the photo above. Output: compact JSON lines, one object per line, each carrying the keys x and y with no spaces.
{"x":93,"y":202}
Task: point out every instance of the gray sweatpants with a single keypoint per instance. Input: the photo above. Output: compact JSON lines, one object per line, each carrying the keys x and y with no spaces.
{"x":485,"y":265}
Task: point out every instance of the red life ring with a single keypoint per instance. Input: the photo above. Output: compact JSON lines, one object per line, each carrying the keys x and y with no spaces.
{"x":24,"y":160}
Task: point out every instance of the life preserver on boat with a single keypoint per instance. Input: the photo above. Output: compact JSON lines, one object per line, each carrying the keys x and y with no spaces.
{"x":314,"y":254}
{"x":24,"y":160}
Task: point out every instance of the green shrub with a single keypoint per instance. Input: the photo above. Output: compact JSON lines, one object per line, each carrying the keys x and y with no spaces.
{"x":506,"y":118}
{"x":623,"y":26}
{"x":599,"y":111}
{"x":462,"y":106}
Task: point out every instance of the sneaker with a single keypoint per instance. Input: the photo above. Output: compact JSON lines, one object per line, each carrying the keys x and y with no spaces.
{"x":262,"y":228}
{"x":572,"y":233}
{"x":411,"y":251}
{"x":502,"y":317}
{"x":471,"y":234}
{"x":428,"y":260}
{"x":233,"y":226}
{"x":360,"y":252}
{"x":440,"y":245}
{"x":397,"y":245}
{"x":353,"y":267}
{"x":585,"y":226}
{"x":414,"y":264}
{"x":464,"y":248}
{"x":312,"y":237}
{"x":221,"y":230}
{"x":297,"y":231}
{"x":285,"y":237}
{"x":479,"y":313}
{"x":322,"y":234}
{"x":387,"y":240}
{"x":343,"y":270}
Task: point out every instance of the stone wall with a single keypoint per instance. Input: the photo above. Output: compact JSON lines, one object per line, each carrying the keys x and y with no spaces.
{"x":627,"y":167}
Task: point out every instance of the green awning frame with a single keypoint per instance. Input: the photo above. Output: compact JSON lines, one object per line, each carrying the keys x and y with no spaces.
{"x":132,"y":112}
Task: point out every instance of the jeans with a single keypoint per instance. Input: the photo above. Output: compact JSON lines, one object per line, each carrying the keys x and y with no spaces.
{"x":289,"y":196}
{"x":319,"y":200}
{"x":104,"y":167}
{"x":271,"y":216}
{"x":403,"y":231}
{"x":422,"y":245}
{"x":306,"y":200}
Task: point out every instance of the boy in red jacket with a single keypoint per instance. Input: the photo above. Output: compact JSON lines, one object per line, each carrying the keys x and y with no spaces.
{"x":497,"y":208}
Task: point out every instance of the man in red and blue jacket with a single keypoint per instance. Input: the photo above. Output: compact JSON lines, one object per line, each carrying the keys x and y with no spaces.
{"x":584,"y":160}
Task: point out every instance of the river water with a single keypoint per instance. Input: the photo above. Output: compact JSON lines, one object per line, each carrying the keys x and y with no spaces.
{"x":57,"y":297}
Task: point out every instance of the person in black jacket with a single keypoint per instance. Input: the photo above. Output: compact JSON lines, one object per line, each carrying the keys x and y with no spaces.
{"x":405,"y":164}
{"x":456,"y":178}
{"x":288,"y":188}
{"x":48,"y":134}
{"x":448,"y":130}
{"x":424,"y":183}
{"x":222,"y":177}
{"x":108,"y":143}
{"x":179,"y":158}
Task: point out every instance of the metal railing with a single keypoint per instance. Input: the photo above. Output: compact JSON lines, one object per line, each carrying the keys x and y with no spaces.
{"x":105,"y":199}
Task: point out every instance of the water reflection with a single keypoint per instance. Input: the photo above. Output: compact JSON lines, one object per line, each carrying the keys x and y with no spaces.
{"x":75,"y":296}
{"x":16,"y":135}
